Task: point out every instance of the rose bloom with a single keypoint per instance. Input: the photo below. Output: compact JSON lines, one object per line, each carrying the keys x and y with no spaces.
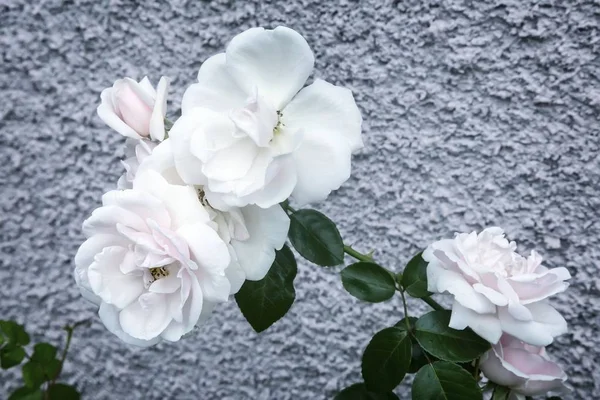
{"x":252,"y":232}
{"x":153,"y":260}
{"x":526,"y":370}
{"x":135,"y":110}
{"x":251,"y":134}
{"x":495,"y":289}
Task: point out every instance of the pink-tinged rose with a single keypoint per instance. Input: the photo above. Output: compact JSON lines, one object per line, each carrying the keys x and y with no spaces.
{"x":135,"y":109}
{"x":154,"y":261}
{"x":495,"y":289}
{"x":526,"y":370}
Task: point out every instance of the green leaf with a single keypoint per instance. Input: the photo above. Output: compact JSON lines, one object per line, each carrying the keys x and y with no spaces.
{"x":266,"y":301}
{"x":43,"y":352}
{"x":386,"y":359}
{"x":316,"y":238}
{"x":359,"y":391}
{"x":60,"y":391}
{"x":26,"y":393}
{"x":33,"y":374}
{"x":14,"y":333}
{"x":418,"y":358}
{"x":52,"y":368}
{"x":11,"y":356}
{"x":414,"y":277}
{"x":434,"y":335}
{"x":368,"y":282}
{"x":411,"y":320}
{"x":501,"y":393}
{"x":444,"y":380}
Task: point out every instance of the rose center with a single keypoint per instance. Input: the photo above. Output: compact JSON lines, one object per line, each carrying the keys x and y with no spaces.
{"x":158,"y":273}
{"x":279,"y":126}
{"x":202,"y":195}
{"x":258,"y":120}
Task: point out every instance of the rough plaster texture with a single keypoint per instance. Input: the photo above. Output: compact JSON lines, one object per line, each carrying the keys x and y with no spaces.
{"x":476,"y":113}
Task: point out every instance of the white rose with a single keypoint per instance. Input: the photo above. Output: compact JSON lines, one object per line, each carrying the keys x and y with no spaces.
{"x":153,"y":260}
{"x":495,"y":289}
{"x":250,"y":134}
{"x":526,"y":370}
{"x":253,"y":233}
{"x":135,"y":110}
{"x":135,"y":152}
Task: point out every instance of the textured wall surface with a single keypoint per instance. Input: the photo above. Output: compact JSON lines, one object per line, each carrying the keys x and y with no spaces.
{"x":476,"y":113}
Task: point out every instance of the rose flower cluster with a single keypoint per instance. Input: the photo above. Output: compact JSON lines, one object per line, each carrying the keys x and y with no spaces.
{"x":502,"y":296}
{"x":201,"y":208}
{"x":196,"y":212}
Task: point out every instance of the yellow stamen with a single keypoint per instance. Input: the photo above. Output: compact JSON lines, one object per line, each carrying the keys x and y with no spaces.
{"x":159,"y":272}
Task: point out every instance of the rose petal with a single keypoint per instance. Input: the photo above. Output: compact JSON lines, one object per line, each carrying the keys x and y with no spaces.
{"x":163,"y":162}
{"x":231,"y":163}
{"x":107,"y":113}
{"x":277,"y":62}
{"x":322,"y":165}
{"x":278,"y":187}
{"x":181,"y":201}
{"x":191,"y":311}
{"x":109,"y":315}
{"x":532,"y":288}
{"x":148,"y":90}
{"x":485,"y":325}
{"x":547,"y":323}
{"x":105,"y":219}
{"x":515,"y":308}
{"x":157,"y":120}
{"x":234,"y":272}
{"x":147,"y":317}
{"x":495,"y":297}
{"x":268,"y":230}
{"x":212,"y":256}
{"x":93,"y":246}
{"x":499,"y":371}
{"x":215,"y":90}
{"x":138,"y":203}
{"x":322,"y":108}
{"x":440,"y":280}
{"x":188,"y":166}
{"x":109,"y":283}
{"x":133,"y":104}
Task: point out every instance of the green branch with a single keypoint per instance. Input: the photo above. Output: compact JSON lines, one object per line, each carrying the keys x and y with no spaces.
{"x":359,"y":256}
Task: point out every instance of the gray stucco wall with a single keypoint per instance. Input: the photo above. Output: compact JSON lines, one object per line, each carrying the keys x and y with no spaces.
{"x":476,"y":113}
